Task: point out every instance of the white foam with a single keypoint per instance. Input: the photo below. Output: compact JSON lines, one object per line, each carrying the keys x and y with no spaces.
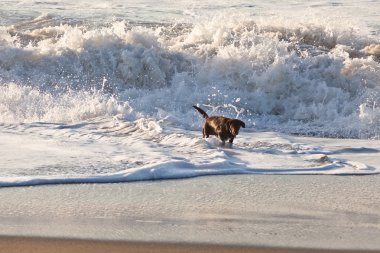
{"x":118,"y":152}
{"x":267,"y":72}
{"x":122,"y":90}
{"x":28,"y":104}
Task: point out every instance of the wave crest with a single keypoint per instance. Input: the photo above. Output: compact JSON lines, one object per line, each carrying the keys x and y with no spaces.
{"x":295,"y":77}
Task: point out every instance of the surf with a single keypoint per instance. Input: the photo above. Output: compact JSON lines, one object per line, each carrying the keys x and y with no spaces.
{"x":297,"y":78}
{"x":111,"y":100}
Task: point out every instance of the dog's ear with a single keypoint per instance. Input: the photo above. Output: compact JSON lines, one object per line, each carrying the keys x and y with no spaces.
{"x":234,"y":126}
{"x":242,"y":124}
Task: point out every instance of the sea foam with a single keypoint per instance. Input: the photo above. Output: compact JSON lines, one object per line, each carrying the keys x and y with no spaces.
{"x":112,"y":101}
{"x":307,"y":77}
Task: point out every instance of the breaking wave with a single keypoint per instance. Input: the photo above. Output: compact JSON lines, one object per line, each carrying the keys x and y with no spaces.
{"x":305,"y":78}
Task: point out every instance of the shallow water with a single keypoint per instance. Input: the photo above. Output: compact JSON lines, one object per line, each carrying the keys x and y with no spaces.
{"x":100,"y":153}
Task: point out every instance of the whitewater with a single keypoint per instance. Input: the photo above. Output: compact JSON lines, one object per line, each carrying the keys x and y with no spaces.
{"x":102,"y":92}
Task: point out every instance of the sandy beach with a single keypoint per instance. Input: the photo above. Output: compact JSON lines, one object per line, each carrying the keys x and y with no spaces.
{"x":238,"y":213}
{"x":41,"y":245}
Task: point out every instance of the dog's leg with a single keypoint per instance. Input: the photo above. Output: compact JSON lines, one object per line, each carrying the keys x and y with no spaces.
{"x":206,"y":131}
{"x":222,"y":135}
{"x":231,"y":140}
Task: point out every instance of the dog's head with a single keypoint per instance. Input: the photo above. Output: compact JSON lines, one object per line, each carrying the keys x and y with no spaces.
{"x":235,"y":125}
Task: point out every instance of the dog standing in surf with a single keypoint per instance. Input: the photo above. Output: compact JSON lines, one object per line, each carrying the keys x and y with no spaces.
{"x":222,"y":127}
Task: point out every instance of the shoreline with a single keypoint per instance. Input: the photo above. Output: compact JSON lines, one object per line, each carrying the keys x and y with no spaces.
{"x":16,"y":244}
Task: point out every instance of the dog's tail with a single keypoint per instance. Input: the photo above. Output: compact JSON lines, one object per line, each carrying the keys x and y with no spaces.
{"x":204,"y":114}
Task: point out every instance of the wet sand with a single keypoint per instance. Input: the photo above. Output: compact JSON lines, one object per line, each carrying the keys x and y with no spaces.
{"x":251,"y":213}
{"x":48,"y":245}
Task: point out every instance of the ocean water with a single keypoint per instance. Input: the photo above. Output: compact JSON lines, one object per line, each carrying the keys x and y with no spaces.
{"x":102,"y":91}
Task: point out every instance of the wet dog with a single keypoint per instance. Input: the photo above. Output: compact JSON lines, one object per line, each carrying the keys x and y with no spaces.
{"x":222,"y":127}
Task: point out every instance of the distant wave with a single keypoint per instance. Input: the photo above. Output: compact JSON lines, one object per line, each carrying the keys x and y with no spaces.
{"x":304,"y":78}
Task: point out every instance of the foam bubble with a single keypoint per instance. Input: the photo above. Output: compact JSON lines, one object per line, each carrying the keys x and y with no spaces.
{"x":373,"y":49}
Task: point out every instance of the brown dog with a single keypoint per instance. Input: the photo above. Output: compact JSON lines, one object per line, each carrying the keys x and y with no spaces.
{"x":222,"y":127}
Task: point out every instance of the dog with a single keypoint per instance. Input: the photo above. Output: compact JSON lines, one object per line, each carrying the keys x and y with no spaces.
{"x":222,"y":127}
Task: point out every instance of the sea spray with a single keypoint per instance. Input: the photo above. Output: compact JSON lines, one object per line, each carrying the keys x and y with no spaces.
{"x":305,"y":78}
